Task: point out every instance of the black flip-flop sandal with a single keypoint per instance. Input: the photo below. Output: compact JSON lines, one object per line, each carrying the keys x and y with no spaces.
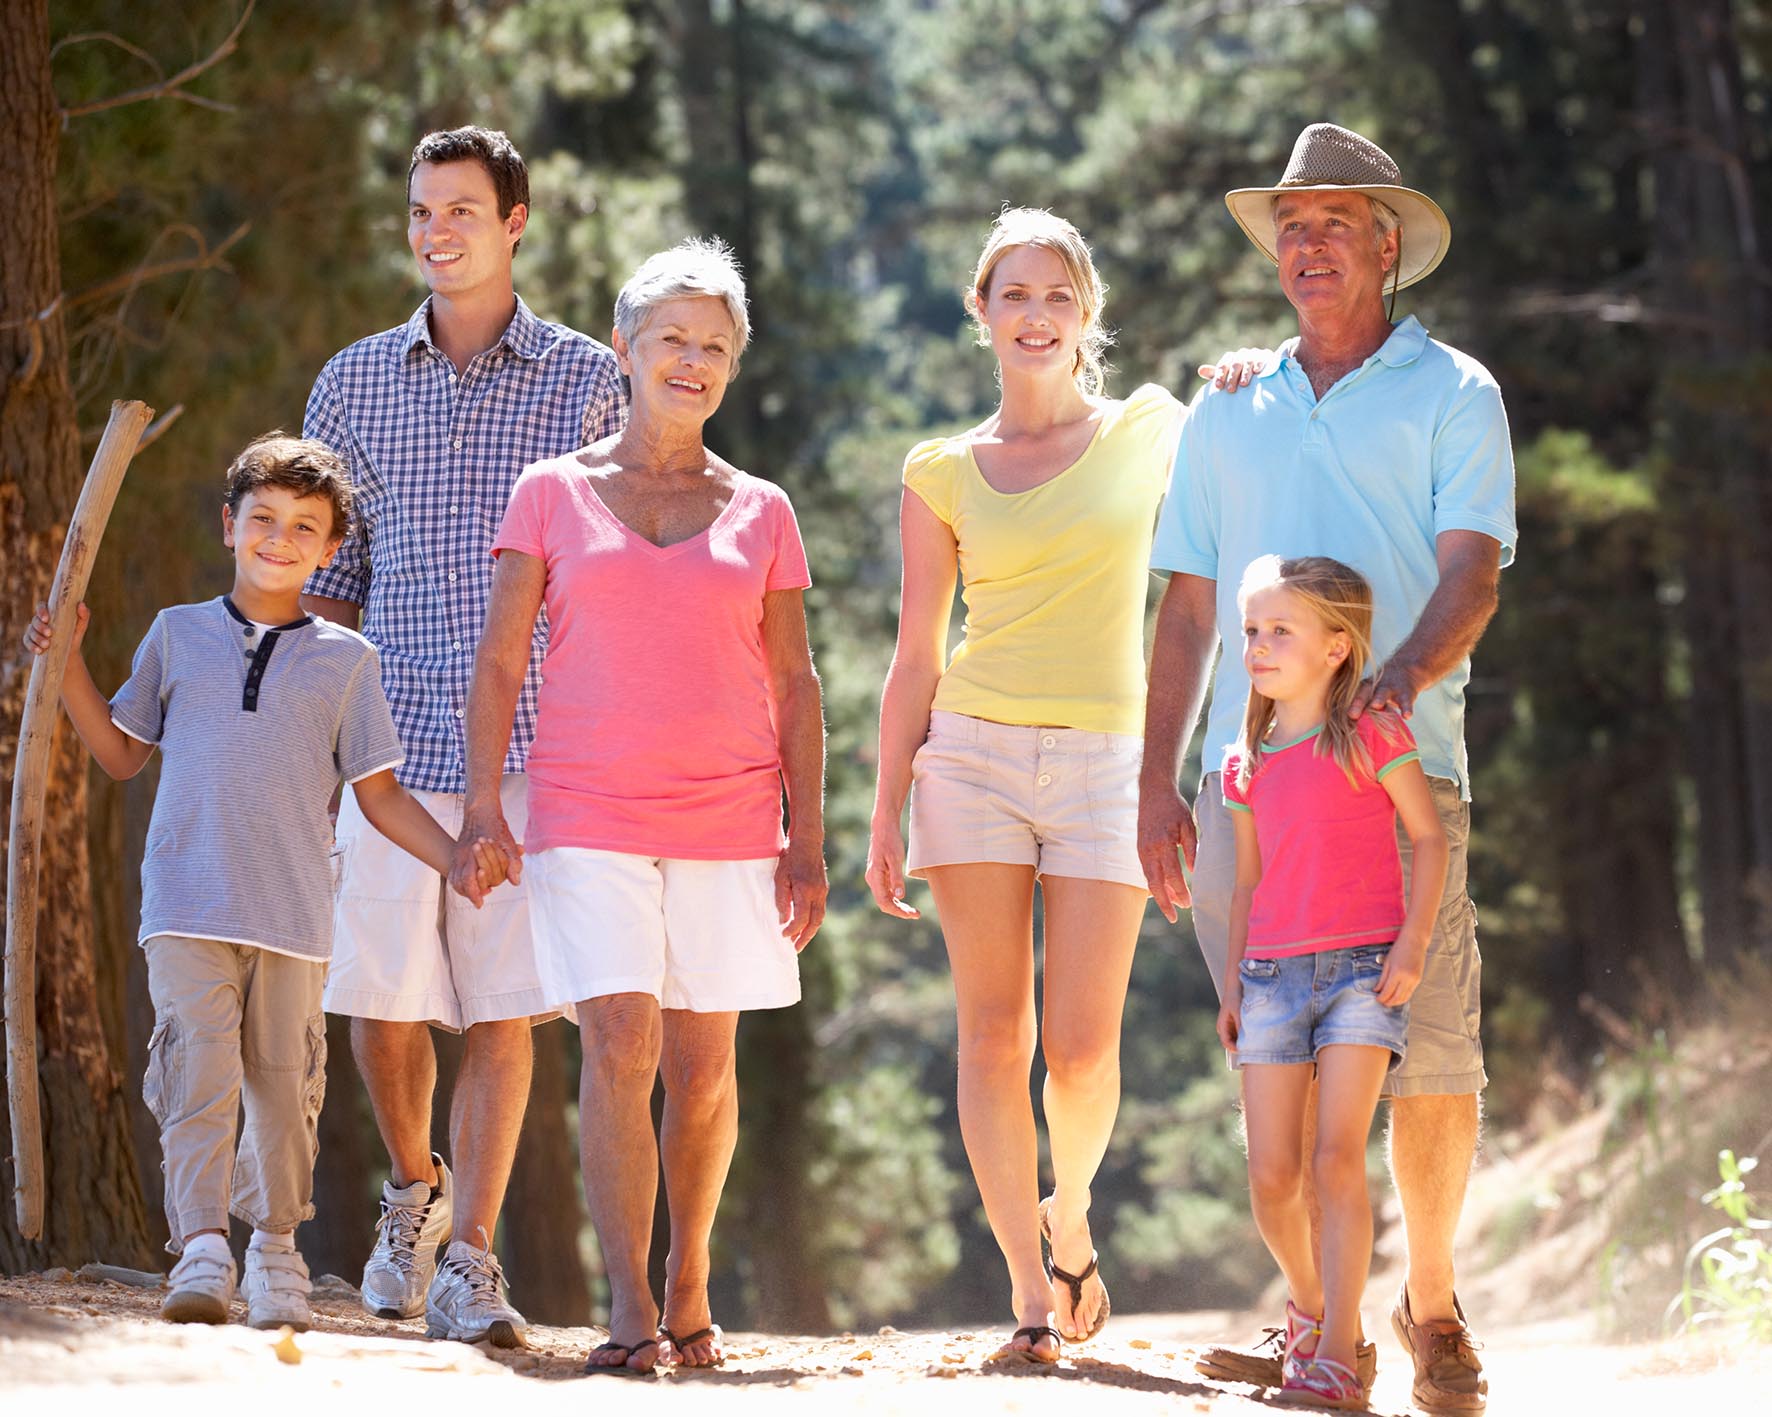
{"x":1034,"y":1333}
{"x":621,"y":1369}
{"x":711,"y":1331}
{"x":1075,"y":1281}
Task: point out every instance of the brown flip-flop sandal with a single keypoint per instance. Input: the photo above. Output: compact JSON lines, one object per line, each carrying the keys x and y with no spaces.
{"x":1075,"y":1281}
{"x":1034,"y":1333}
{"x":711,"y":1331}
{"x":621,"y":1369}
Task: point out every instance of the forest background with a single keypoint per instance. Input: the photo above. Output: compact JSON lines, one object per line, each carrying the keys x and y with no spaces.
{"x":1607,"y":165}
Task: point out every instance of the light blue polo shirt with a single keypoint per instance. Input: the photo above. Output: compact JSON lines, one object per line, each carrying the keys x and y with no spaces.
{"x":1412,"y":443}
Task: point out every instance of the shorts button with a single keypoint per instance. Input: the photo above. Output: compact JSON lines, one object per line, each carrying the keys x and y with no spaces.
{"x":1044,"y":779}
{"x":1049,"y":741}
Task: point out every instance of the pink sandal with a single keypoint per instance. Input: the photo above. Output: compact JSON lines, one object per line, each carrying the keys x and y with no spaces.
{"x":1303,"y":1333}
{"x":1321,"y":1382}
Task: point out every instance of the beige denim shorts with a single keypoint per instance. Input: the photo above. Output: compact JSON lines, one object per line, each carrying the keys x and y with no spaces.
{"x":1061,"y":800}
{"x":1444,"y":1055}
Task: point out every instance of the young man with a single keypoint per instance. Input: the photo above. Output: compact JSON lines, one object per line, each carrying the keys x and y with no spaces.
{"x":1366,"y":441}
{"x":435,"y":420}
{"x":259,"y":711}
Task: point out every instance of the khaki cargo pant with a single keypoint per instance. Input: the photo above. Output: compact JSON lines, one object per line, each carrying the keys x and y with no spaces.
{"x":233,"y":1023}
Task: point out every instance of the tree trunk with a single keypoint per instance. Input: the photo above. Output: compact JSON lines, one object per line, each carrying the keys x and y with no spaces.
{"x":1708,"y":256}
{"x":94,"y":1203}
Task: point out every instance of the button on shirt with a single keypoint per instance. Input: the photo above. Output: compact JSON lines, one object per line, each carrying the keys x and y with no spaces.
{"x":1411,"y":444}
{"x":433,"y":456}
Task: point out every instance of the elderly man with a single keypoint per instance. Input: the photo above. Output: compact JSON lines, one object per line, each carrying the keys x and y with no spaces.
{"x":435,"y":418}
{"x":1366,"y":441}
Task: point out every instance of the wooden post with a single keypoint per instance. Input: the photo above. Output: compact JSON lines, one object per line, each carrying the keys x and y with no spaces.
{"x":123,"y":435}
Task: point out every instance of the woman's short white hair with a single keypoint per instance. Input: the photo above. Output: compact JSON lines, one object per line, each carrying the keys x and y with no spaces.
{"x":701,"y":265}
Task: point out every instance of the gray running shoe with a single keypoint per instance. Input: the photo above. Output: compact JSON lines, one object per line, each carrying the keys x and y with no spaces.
{"x":276,"y":1288}
{"x":202,"y":1288}
{"x":413,"y":1225}
{"x":467,"y":1300}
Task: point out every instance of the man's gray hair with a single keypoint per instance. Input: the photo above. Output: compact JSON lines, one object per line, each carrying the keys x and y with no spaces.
{"x":1385,"y":219}
{"x":699,"y":266}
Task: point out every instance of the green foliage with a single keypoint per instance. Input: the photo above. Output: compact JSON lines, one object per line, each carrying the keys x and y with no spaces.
{"x":1729,"y":1271}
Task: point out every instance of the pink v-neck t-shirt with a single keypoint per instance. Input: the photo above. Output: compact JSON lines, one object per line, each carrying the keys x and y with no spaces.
{"x":655,"y":727}
{"x":1331,"y":877}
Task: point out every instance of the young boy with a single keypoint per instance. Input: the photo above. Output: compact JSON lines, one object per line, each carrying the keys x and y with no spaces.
{"x":259,"y":711}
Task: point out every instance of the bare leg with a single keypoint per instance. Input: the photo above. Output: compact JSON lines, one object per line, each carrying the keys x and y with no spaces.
{"x":622,"y":1035}
{"x":1349,"y":1077}
{"x":987,"y":918}
{"x":700,"y":1069}
{"x":1274,"y":1097}
{"x":486,"y":1117}
{"x":399,"y":1070}
{"x":1091,"y":932}
{"x":1433,"y":1141}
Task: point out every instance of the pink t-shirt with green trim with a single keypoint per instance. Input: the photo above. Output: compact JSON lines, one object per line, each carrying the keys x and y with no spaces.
{"x":1330,"y":874}
{"x":655,"y":727}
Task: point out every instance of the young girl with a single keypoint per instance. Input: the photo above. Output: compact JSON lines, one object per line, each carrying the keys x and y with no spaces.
{"x":1323,"y":955}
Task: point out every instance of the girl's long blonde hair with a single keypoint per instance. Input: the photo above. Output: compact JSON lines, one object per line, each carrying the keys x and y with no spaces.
{"x":1033,"y":226}
{"x":1342,"y":599}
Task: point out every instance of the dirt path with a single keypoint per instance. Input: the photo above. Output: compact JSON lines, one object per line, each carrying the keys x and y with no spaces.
{"x":70,"y":1342}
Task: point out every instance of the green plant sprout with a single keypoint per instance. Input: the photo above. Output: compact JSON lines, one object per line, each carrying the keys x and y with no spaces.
{"x":1728,"y":1278}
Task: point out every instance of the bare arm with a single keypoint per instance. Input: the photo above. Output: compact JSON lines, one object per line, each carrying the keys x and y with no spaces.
{"x":1414,"y":799}
{"x":1451,"y":622}
{"x":89,"y":710}
{"x":1181,"y":667}
{"x":340,"y":612}
{"x":500,"y":663}
{"x":926,"y":599}
{"x":801,"y":884}
{"x":1230,"y":1010}
{"x":402,"y":819}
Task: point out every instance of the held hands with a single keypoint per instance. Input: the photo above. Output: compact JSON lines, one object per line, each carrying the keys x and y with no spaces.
{"x":800,"y":890}
{"x":1402,"y":972}
{"x":1166,"y":828}
{"x":40,"y":631}
{"x":885,"y":873}
{"x":486,"y":855}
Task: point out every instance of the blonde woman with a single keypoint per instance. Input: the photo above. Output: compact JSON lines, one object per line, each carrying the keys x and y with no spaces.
{"x":1024,"y":748}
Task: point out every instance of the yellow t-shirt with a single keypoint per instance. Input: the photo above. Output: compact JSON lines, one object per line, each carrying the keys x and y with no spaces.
{"x":1055,"y":578}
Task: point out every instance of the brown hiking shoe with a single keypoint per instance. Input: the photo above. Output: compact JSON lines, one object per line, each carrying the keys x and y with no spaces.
{"x":1448,"y":1374}
{"x":1260,"y":1365}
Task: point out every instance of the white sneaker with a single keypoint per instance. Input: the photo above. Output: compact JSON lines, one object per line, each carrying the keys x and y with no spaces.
{"x":202,"y":1285}
{"x":413,"y":1225}
{"x":276,"y":1288}
{"x":467,"y":1300}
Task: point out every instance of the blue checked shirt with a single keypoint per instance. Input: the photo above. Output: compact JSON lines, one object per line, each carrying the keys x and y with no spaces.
{"x":433,"y":457}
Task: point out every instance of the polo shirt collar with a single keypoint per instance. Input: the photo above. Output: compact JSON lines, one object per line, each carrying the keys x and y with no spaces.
{"x":1404,"y":345}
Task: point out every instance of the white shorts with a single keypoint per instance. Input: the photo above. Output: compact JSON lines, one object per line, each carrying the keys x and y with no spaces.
{"x":696,"y":935}
{"x":407,"y":949}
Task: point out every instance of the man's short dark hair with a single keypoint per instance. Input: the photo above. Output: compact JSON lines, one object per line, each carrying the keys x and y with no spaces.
{"x":299,"y":465}
{"x":486,"y":146}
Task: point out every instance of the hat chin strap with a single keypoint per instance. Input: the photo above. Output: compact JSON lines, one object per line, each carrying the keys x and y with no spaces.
{"x":1396,"y":277}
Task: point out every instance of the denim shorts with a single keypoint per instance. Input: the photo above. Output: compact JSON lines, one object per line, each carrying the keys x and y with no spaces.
{"x":1296,"y":1005}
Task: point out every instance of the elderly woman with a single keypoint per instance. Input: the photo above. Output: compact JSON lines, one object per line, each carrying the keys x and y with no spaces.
{"x":679,"y":701}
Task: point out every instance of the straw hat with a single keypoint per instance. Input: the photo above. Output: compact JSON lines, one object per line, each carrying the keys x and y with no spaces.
{"x":1328,"y":158}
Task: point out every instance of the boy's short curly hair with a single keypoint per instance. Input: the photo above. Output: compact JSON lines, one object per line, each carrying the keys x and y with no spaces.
{"x":300,"y":465}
